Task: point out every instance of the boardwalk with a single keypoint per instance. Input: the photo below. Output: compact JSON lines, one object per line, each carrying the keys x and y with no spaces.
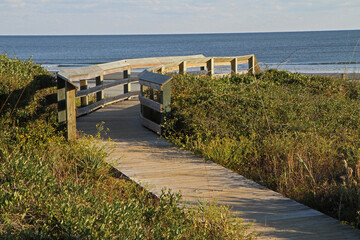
{"x":155,"y":164}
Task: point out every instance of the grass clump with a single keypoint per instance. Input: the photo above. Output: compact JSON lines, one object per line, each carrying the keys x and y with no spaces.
{"x":51,"y":188}
{"x":296,"y":134}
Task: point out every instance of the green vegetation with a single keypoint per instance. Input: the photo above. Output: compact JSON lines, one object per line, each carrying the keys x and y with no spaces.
{"x":296,"y":134}
{"x":50,"y":188}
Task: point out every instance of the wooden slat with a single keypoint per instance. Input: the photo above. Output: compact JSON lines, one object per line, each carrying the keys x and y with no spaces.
{"x":114,"y":67}
{"x":89,"y":72}
{"x":201,"y":62}
{"x":192,"y":62}
{"x":166,"y":67}
{"x":154,"y":77}
{"x":93,"y":71}
{"x":151,"y":104}
{"x":150,"y":85}
{"x":104,"y":102}
{"x":150,"y":124}
{"x":82,"y":93}
{"x":152,"y":62}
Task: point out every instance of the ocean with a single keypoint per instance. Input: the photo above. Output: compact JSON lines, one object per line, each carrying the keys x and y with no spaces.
{"x":307,"y":52}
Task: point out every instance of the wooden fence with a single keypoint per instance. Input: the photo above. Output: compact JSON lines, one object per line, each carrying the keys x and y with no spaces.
{"x":67,"y":89}
{"x":155,"y":95}
{"x":209,"y":64}
{"x":155,"y":88}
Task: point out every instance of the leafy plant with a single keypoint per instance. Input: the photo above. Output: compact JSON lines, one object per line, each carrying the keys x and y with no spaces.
{"x":287,"y":131}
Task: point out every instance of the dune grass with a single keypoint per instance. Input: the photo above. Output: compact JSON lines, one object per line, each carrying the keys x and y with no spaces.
{"x":298,"y":135}
{"x":54,"y":189}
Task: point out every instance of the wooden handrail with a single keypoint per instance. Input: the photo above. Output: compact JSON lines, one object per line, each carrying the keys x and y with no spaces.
{"x":67,"y":90}
{"x":93,"y":71}
{"x":206,"y":62}
{"x":86,"y":110}
{"x":153,"y":112}
{"x":99,"y":88}
{"x":150,"y":103}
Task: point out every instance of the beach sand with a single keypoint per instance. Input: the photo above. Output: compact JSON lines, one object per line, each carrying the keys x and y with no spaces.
{"x":350,"y":76}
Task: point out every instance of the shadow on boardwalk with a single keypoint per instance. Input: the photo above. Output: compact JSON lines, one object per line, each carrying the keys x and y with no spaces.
{"x":154,"y":163}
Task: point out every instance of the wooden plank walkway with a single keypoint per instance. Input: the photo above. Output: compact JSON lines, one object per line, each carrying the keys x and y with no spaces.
{"x":154,"y":163}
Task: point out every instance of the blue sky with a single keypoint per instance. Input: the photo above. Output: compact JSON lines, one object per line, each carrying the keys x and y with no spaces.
{"x":24,"y":17}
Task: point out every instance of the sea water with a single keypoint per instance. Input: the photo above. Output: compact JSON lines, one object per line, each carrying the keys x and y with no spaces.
{"x":320,"y":51}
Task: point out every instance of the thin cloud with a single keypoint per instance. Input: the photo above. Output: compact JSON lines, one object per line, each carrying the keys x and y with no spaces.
{"x":174,"y":16}
{"x":16,"y":3}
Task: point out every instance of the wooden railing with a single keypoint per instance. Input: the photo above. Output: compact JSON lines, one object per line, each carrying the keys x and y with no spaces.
{"x":154,"y":99}
{"x":99,"y":90}
{"x":155,"y":87}
{"x":209,"y":63}
{"x":67,"y":89}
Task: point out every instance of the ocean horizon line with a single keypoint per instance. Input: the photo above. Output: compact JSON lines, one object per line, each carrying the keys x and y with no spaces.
{"x":169,"y":34}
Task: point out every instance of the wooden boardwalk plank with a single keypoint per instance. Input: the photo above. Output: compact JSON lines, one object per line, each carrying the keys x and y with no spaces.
{"x":154,"y":163}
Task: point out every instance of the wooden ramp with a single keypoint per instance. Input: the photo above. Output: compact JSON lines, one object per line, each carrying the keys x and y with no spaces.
{"x":156,"y":164}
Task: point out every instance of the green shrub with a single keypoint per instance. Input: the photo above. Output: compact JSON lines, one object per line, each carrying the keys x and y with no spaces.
{"x":290,"y":132}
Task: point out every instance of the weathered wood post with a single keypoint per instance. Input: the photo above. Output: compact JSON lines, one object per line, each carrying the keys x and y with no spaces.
{"x":100,"y":94}
{"x":161,"y":70}
{"x":165,"y":100}
{"x":182,"y":68}
{"x":127,"y":87}
{"x":85,"y":99}
{"x":257,"y":68}
{"x":154,"y":110}
{"x":66,"y":107}
{"x":251,"y":62}
{"x":234,"y":66}
{"x":210,"y":67}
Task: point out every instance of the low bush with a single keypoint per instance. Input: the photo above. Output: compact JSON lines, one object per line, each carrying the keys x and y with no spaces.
{"x":296,"y":134}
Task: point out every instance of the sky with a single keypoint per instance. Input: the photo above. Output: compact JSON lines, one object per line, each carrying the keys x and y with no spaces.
{"x":92,"y":17}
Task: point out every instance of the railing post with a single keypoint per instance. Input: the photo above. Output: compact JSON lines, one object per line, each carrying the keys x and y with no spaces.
{"x":161,"y":70}
{"x":165,"y":100}
{"x":154,"y":106}
{"x":66,"y":107}
{"x":99,"y":81}
{"x":234,"y":66}
{"x":251,"y":65}
{"x":85,"y":99}
{"x":182,"y":68}
{"x":127,"y":87}
{"x":210,"y":67}
{"x":61,"y":99}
